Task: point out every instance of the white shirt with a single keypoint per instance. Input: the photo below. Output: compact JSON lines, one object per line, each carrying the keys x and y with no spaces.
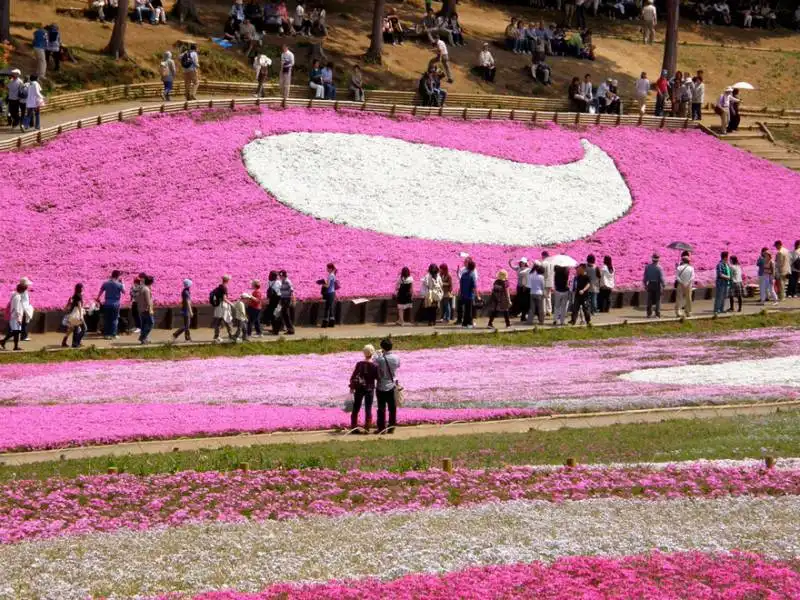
{"x":16,"y":313}
{"x":299,"y":13}
{"x":442,"y":49}
{"x":486,"y":59}
{"x":549,"y":274}
{"x":685,"y":274}
{"x":35,"y":98}
{"x":642,"y":87}
{"x":724,"y":101}
{"x":606,"y":278}
{"x":699,"y":93}
{"x":586,"y":89}
{"x":287,"y":60}
{"x":13,"y":88}
{"x":536,"y":283}
{"x":649,"y":14}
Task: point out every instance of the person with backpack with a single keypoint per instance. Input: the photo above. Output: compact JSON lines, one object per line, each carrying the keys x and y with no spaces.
{"x":34,"y":100}
{"x":53,"y":46}
{"x":186,"y":312}
{"x":167,"y":69}
{"x":191,"y":71}
{"x":329,"y":286}
{"x":362,"y":386}
{"x":218,"y":298}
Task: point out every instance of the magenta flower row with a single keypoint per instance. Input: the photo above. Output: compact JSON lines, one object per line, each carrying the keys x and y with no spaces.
{"x":35,"y":509}
{"x":169,"y":195}
{"x":656,"y":576}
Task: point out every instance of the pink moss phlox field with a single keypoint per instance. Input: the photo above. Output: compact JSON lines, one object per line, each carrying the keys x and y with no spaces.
{"x":42,"y":427}
{"x":35,"y":509}
{"x":656,"y":576}
{"x":53,"y":405}
{"x":171,"y":196}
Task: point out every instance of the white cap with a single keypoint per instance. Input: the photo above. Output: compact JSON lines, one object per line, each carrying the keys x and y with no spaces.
{"x":16,"y":72}
{"x":187,"y":283}
{"x":523,"y":259}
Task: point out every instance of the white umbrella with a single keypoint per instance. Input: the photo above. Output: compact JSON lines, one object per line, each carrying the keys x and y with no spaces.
{"x":743,"y":85}
{"x":562,"y":260}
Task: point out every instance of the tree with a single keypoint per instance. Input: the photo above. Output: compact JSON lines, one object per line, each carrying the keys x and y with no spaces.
{"x":186,"y":11}
{"x":670,"y":63}
{"x":116,"y":47}
{"x":5,"y":20}
{"x":448,"y":7}
{"x":376,"y":45}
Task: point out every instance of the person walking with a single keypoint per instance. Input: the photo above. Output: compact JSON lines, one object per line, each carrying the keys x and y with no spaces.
{"x":287,"y":302}
{"x":362,"y":386}
{"x":219,"y":299}
{"x":783,"y":268}
{"x":239,"y":317}
{"x":168,"y":72}
{"x":536,"y":287}
{"x":254,"y":305}
{"x":27,"y":308}
{"x":146,"y":309}
{"x":432,"y":293}
{"x":329,"y":286}
{"x":582,"y":298}
{"x":561,"y":299}
{"x":642,"y":91}
{"x":112,"y":289}
{"x":404,"y":293}
{"x":187,"y":312}
{"x":190,"y":63}
{"x":388,"y":364}
{"x":261,"y":64}
{"x":736,"y":291}
{"x":135,"y":316}
{"x":52,"y":47}
{"x":40,"y":51}
{"x":33,"y":104}
{"x":15,"y":316}
{"x":654,"y":284}
{"x":467,"y":290}
{"x":522,"y":300}
{"x":607,"y":283}
{"x":75,"y":318}
{"x":766,"y":274}
{"x":287,"y":66}
{"x":500,"y":301}
{"x":549,"y":283}
{"x":649,"y":22}
{"x":684,"y":280}
{"x":16,"y":105}
{"x":442,"y":56}
{"x":273,"y":302}
{"x":723,"y":282}
{"x":447,"y":293}
{"x":723,"y":109}
{"x":794,"y":277}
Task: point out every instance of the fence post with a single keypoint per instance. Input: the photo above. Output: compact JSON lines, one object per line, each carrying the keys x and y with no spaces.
{"x":511,"y":115}
{"x":641,"y":118}
{"x":491,"y":112}
{"x":663,"y":122}
{"x":555,"y":117}
{"x":233,"y":103}
{"x":577,"y":118}
{"x":80,"y":124}
{"x":141,"y":110}
{"x":465,"y":113}
{"x":99,"y":119}
{"x":391,"y":112}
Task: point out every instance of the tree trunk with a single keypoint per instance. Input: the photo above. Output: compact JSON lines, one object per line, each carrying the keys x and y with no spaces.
{"x":5,"y":20}
{"x":116,"y":47}
{"x":448,"y":8}
{"x":376,"y":45}
{"x":186,"y":11}
{"x":670,"y":63}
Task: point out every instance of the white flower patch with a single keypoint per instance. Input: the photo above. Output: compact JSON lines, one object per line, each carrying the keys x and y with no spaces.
{"x":251,"y":556}
{"x":407,"y":189}
{"x":782,"y":371}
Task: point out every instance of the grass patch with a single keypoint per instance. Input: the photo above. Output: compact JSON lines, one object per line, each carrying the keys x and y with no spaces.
{"x":733,"y":438}
{"x":324,"y":345}
{"x":790,"y":136}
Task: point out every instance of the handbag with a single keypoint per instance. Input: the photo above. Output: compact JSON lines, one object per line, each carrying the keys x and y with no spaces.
{"x":399,"y":390}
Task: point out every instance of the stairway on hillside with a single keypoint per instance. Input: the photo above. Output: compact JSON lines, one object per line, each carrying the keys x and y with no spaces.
{"x":753,"y":139}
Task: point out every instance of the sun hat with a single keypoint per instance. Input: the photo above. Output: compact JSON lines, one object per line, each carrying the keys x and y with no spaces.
{"x":16,"y":72}
{"x":502,"y":275}
{"x":523,"y":260}
{"x":187,"y":283}
{"x":25,"y":281}
{"x":728,"y":89}
{"x":226,"y":277}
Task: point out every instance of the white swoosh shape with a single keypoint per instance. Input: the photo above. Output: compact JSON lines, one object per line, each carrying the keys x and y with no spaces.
{"x":763,"y":372}
{"x":416,"y":190}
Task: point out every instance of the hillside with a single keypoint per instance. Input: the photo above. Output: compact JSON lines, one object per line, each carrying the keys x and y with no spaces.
{"x":769,"y":60}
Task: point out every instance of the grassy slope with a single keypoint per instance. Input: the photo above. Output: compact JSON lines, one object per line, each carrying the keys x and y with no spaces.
{"x":742,"y":437}
{"x":776,"y":72}
{"x":323,"y":345}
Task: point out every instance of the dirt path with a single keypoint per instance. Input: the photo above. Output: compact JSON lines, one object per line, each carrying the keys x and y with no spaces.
{"x":551,"y":423}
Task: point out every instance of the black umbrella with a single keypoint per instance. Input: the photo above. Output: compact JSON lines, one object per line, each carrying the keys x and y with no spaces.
{"x":680,"y":246}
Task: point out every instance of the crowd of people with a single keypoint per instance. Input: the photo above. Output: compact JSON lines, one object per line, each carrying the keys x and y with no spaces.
{"x":531,"y":291}
{"x":585,"y":97}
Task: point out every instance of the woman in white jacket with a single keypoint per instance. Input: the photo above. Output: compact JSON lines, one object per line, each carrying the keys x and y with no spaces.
{"x":15,"y":315}
{"x":432,"y":293}
{"x":33,"y":104}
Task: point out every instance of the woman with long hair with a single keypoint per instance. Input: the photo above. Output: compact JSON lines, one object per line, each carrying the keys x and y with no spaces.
{"x":75,"y":318}
{"x":404,"y":293}
{"x":447,"y":293}
{"x":606,"y":284}
{"x":432,"y":293}
{"x":329,"y":286}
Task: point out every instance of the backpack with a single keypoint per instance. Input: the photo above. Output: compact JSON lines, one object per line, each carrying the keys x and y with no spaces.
{"x":23,"y":91}
{"x":186,"y":60}
{"x":164,"y":69}
{"x":215,"y":297}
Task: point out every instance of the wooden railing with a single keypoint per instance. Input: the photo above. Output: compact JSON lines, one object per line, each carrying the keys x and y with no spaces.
{"x":467,"y":113}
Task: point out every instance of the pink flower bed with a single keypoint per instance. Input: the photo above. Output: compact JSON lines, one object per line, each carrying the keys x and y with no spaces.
{"x":75,"y":403}
{"x":41,"y":509}
{"x":170,"y":195}
{"x":656,"y":576}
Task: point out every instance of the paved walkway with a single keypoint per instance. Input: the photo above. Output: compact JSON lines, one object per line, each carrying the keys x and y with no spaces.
{"x":549,"y":423}
{"x":703,"y":309}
